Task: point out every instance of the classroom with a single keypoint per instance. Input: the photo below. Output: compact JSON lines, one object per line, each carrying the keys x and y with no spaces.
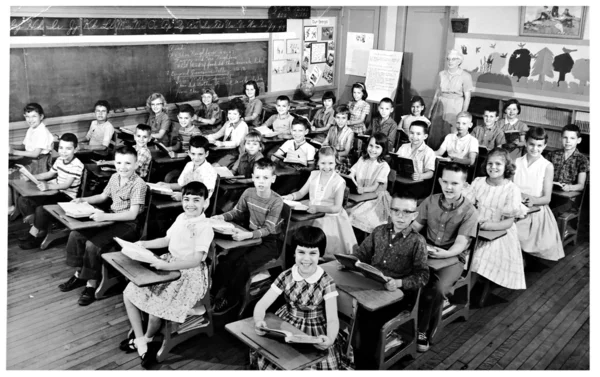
{"x":298,"y":187}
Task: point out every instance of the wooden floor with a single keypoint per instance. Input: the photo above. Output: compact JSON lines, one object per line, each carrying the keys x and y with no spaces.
{"x":543,"y":327}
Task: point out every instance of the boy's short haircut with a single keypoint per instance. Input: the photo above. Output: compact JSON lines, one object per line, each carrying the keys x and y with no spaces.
{"x":126,"y":149}
{"x":342,"y":109}
{"x":536,"y":133}
{"x":33,"y":107}
{"x":102,"y":103}
{"x":185,"y":108}
{"x":195,"y":188}
{"x":255,"y":136}
{"x":572,"y":128}
{"x":70,"y":138}
{"x":455,"y":167}
{"x":144,"y":127}
{"x":264,"y":163}
{"x":420,"y":123}
{"x":301,"y":120}
{"x":310,"y":237}
{"x":328,"y":95}
{"x":387,"y":100}
{"x":199,"y":142}
{"x":464,"y":114}
{"x":406,"y":195}
{"x":283,"y":98}
{"x":491,"y":109}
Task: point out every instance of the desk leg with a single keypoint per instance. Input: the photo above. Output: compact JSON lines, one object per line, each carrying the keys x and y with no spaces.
{"x":50,"y":236}
{"x":106,"y":283}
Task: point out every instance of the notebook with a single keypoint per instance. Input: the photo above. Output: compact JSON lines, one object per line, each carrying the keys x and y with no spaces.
{"x":158,"y":189}
{"x":26,"y":173}
{"x":405,"y":167}
{"x":79,"y":210}
{"x":350,"y":184}
{"x":136,"y":252}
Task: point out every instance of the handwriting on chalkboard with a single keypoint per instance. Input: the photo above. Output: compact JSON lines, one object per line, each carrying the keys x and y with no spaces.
{"x":99,"y":26}
{"x":26,"y":26}
{"x":289,"y":12}
{"x":130,"y":26}
{"x":62,"y":26}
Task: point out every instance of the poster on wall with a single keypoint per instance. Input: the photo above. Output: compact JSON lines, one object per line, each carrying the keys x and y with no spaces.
{"x":310,"y":33}
{"x":318,"y":53}
{"x":383,"y":73}
{"x":357,"y":52}
{"x":550,"y":72}
{"x":292,"y":46}
{"x":279,"y":49}
{"x":327,"y":33}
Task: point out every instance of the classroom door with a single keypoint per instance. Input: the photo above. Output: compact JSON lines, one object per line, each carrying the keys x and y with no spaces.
{"x":424,"y":51}
{"x":359,"y":20}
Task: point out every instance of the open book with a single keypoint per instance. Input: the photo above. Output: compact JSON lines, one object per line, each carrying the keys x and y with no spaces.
{"x":289,"y":337}
{"x":220,"y":224}
{"x":266,"y":131}
{"x":223,"y":172}
{"x":352,"y":263}
{"x":78,"y":210}
{"x":26,"y":173}
{"x":171,"y":153}
{"x":136,"y":252}
{"x":156,"y":188}
{"x":297,"y":206}
{"x":350,"y":184}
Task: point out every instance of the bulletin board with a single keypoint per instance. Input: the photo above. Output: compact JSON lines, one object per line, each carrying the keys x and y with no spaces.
{"x":319,"y":37}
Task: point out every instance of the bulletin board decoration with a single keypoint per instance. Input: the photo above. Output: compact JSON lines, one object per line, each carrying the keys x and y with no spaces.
{"x":292,"y":46}
{"x":310,"y":33}
{"x":279,"y":49}
{"x":327,"y":33}
{"x":318,"y":53}
{"x":552,"y":22}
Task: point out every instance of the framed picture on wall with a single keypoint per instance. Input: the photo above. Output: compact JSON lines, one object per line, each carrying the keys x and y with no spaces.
{"x":552,"y":21}
{"x":318,"y":53}
{"x":327,"y":33}
{"x":292,"y":46}
{"x":278,"y":49}
{"x":310,"y":33}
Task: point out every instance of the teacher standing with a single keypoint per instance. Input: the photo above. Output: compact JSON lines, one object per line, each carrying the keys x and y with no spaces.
{"x":453,"y":95}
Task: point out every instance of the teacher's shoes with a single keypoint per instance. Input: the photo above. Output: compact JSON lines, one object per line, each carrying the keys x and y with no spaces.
{"x":30,"y":242}
{"x":422,"y":342}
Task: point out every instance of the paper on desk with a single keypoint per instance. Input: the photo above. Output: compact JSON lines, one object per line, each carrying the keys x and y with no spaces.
{"x":159,"y":189}
{"x":129,"y":129}
{"x":298,"y":206}
{"x":220,"y":224}
{"x":136,"y":252}
{"x":266,"y":131}
{"x":223,"y":172}
{"x":79,"y":210}
{"x":26,"y":173}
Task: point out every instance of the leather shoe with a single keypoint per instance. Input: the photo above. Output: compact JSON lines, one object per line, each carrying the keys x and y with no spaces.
{"x":71,"y":284}
{"x":31,"y":242}
{"x":149,"y":358}
{"x":87,"y":296}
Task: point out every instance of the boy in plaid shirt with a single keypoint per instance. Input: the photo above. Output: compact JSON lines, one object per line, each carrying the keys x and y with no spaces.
{"x":84,"y":248}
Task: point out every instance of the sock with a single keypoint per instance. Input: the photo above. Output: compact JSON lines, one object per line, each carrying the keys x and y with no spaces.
{"x":148,"y":339}
{"x":34,"y":231}
{"x":77,"y":274}
{"x":91,"y":283}
{"x":141,"y":345}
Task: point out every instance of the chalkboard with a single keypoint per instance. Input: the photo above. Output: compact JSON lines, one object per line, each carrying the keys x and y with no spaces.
{"x":69,"y":80}
{"x":289,"y":12}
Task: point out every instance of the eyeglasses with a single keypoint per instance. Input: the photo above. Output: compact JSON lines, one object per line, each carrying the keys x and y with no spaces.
{"x":399,"y":212}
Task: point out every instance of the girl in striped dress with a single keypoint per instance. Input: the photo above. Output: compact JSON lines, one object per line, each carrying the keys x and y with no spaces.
{"x":498,"y":201}
{"x":310,"y":299}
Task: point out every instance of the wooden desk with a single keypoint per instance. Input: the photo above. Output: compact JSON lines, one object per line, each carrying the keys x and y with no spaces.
{"x":229,"y":244}
{"x":98,"y":172}
{"x":28,"y":188}
{"x":282,"y":171}
{"x":490,"y":235}
{"x":233,"y":186}
{"x":160,"y":201}
{"x":369,"y":293}
{"x":362,"y":197}
{"x":407,"y":181}
{"x":138,"y":273}
{"x":71,"y":223}
{"x":285,"y":356}
{"x":566,"y":194}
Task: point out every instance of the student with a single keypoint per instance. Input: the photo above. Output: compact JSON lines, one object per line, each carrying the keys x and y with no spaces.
{"x":314,"y":314}
{"x":514,"y":130}
{"x":232,"y":133}
{"x":188,"y":240}
{"x":341,"y":137}
{"x":263,"y":208}
{"x":400,"y":253}
{"x":417,"y":150}
{"x":65,"y":176}
{"x":297,"y":151}
{"x":385,"y":123}
{"x":281,"y":123}
{"x":461,"y":146}
{"x":101,"y":130}
{"x":85,"y":247}
{"x":158,"y":119}
{"x":208,"y":117}
{"x":244,"y":165}
{"x":451,"y":222}
{"x":144,"y":157}
{"x":359,"y":108}
{"x":417,"y":112}
{"x":498,"y":201}
{"x":198,"y":169}
{"x":184,"y":130}
{"x":538,"y":232}
{"x":326,"y":193}
{"x":324,"y":117}
{"x":36,"y":146}
{"x":570,"y":165}
{"x":370,"y":174}
{"x":490,"y":135}
{"x":253,"y":104}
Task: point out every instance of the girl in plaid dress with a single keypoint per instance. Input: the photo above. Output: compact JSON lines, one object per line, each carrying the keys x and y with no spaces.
{"x":359,"y":109}
{"x":310,"y":296}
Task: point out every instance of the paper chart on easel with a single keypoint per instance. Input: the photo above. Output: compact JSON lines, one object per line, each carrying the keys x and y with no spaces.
{"x":357,"y":52}
{"x":383,"y":73}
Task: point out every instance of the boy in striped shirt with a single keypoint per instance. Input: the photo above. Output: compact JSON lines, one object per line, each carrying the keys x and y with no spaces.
{"x":263,"y":207}
{"x":65,"y":176}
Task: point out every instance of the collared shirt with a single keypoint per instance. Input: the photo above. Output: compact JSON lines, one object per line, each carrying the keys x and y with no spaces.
{"x":303,"y":154}
{"x":567,"y":171}
{"x":233,"y":134}
{"x":265,"y":214}
{"x":38,"y":137}
{"x":308,"y":293}
{"x":489,"y":138}
{"x":144,"y":157}
{"x":212,"y":111}
{"x":100,"y":134}
{"x":324,"y":117}
{"x":357,"y":110}
{"x":180,"y":139}
{"x":189,"y":235}
{"x":245,"y":164}
{"x":74,"y":169}
{"x":338,"y":138}
{"x":423,"y":157}
{"x":398,"y":255}
{"x":387,"y":127}
{"x":204,"y":173}
{"x":123,"y":197}
{"x":445,"y":224}
{"x":253,"y":107}
{"x":283,"y":125}
{"x":460,"y":147}
{"x":160,"y":122}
